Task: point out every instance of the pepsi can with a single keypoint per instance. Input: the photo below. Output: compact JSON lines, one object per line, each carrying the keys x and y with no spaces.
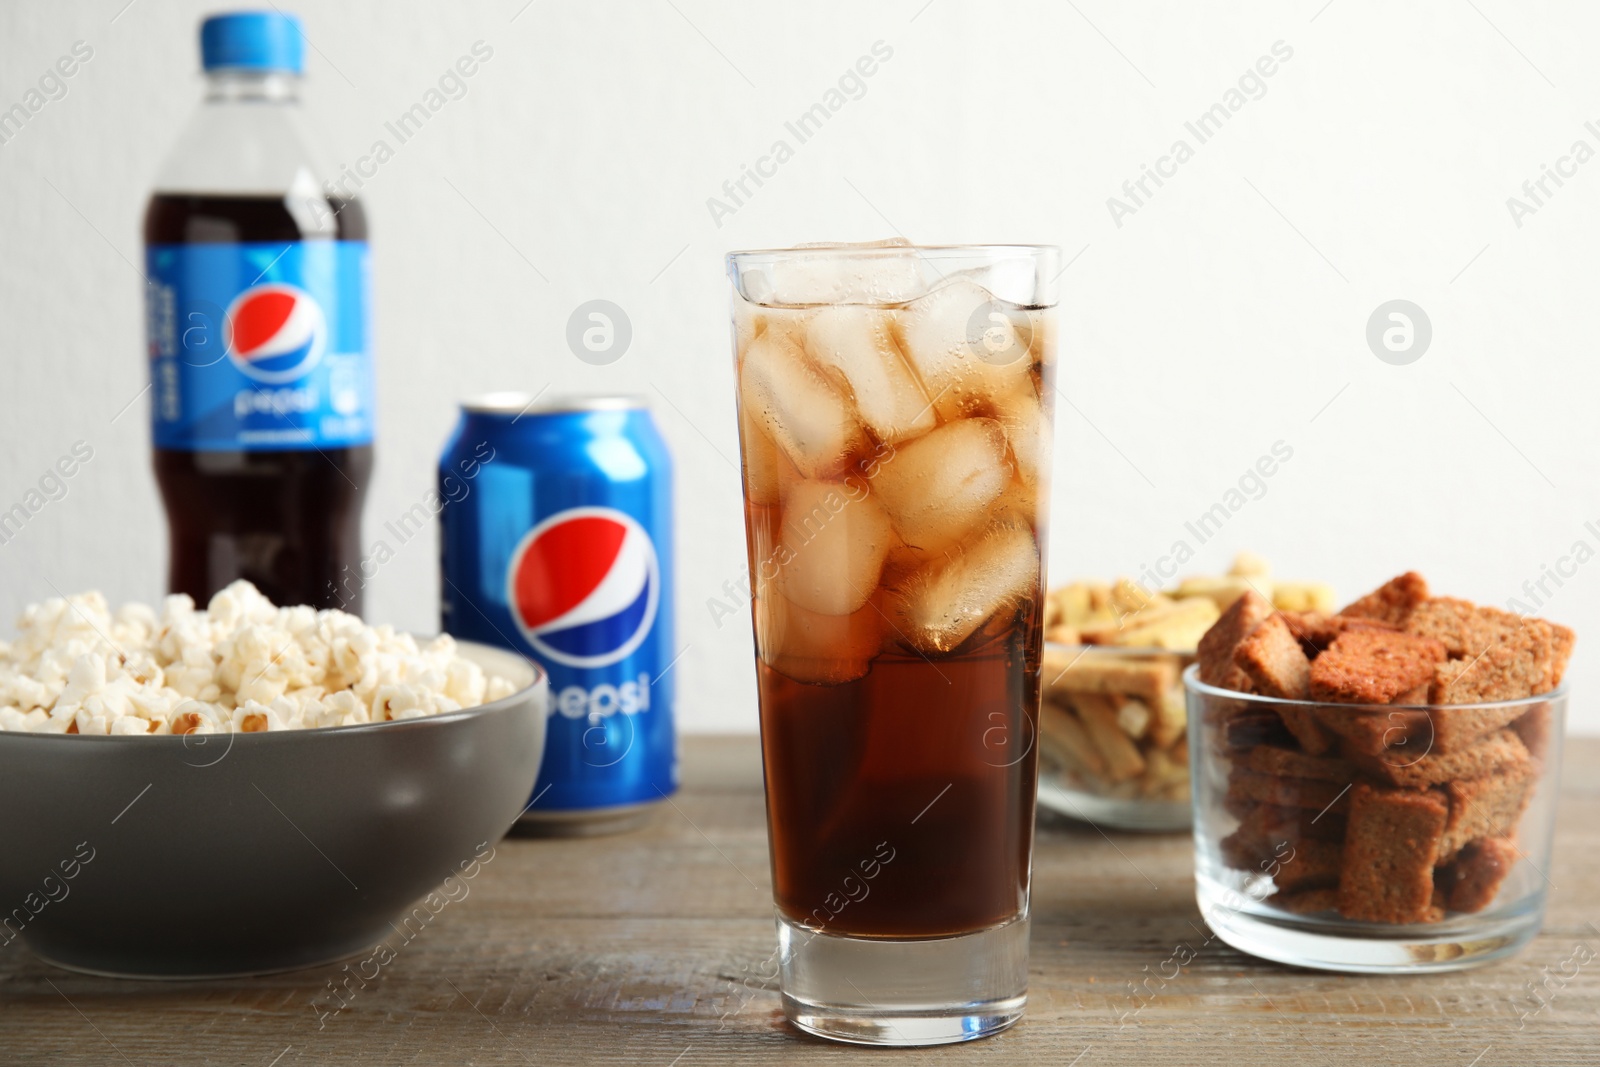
{"x":555,"y":531}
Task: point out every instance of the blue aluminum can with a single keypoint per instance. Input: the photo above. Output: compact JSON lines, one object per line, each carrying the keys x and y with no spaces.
{"x":555,"y":539}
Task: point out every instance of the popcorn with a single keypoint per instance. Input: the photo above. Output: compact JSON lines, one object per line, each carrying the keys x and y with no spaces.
{"x":240,"y":665}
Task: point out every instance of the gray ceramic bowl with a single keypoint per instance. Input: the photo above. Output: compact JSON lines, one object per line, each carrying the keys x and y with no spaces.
{"x":247,"y":853}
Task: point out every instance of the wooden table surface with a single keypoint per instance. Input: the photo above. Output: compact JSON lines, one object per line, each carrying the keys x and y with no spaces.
{"x":646,"y":948}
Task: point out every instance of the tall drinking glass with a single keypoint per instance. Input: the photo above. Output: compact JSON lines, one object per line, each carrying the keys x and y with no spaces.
{"x":894,"y":414}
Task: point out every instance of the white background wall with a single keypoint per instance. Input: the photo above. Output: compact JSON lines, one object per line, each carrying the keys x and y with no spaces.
{"x":1228,"y":313}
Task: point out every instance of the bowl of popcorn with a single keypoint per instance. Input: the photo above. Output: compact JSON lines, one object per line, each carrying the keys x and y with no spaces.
{"x":1375,"y":790}
{"x":246,"y":788}
{"x":1113,"y":725}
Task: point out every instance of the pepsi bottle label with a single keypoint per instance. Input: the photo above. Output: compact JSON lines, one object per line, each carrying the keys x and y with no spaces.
{"x":259,"y":346}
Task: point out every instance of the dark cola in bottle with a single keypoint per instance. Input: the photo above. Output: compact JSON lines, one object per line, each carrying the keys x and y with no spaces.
{"x":258,"y":335}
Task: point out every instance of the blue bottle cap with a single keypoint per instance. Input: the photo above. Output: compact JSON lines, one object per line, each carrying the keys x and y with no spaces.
{"x":252,"y":40}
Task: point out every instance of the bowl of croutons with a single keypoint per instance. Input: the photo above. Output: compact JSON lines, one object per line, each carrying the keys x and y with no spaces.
{"x":1113,"y":726}
{"x":1375,"y":788}
{"x":242,"y":788}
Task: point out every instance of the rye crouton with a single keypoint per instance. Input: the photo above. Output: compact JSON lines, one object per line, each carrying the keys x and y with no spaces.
{"x":1278,"y":667}
{"x":1379,"y":733}
{"x":1246,"y":786}
{"x":1503,"y":672}
{"x":1420,"y":769}
{"x":1457,"y":728}
{"x":1217,"y":645}
{"x":1486,"y":807}
{"x":1564,"y":640}
{"x":1416,"y":697}
{"x":1403,"y":734}
{"x":1465,"y":629}
{"x":1298,"y":864}
{"x":1472,"y":882}
{"x":1506,"y":656}
{"x":1241,"y":850}
{"x":1254,"y":727}
{"x":1278,"y":825}
{"x":1306,"y":901}
{"x":1534,"y":729}
{"x":1393,"y":601}
{"x":1274,"y":660}
{"x":1316,"y":630}
{"x":1389,"y":845}
{"x":1308,"y":864}
{"x":1287,"y":763}
{"x":1373,"y":667}
{"x":1303,"y":724}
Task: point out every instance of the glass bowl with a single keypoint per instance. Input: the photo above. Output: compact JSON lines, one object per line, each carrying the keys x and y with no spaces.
{"x":1419,"y":842}
{"x":1113,"y":744}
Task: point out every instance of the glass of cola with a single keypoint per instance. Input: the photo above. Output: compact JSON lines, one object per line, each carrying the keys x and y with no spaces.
{"x":895,"y":405}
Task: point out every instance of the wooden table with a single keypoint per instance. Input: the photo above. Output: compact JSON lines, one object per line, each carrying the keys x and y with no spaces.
{"x":639,"y":949}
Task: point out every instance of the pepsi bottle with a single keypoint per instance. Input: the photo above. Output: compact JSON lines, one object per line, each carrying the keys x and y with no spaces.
{"x":261,"y":375}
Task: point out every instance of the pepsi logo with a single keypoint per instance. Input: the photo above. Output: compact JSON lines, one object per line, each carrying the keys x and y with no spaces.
{"x":583,"y":586}
{"x":274,"y":333}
